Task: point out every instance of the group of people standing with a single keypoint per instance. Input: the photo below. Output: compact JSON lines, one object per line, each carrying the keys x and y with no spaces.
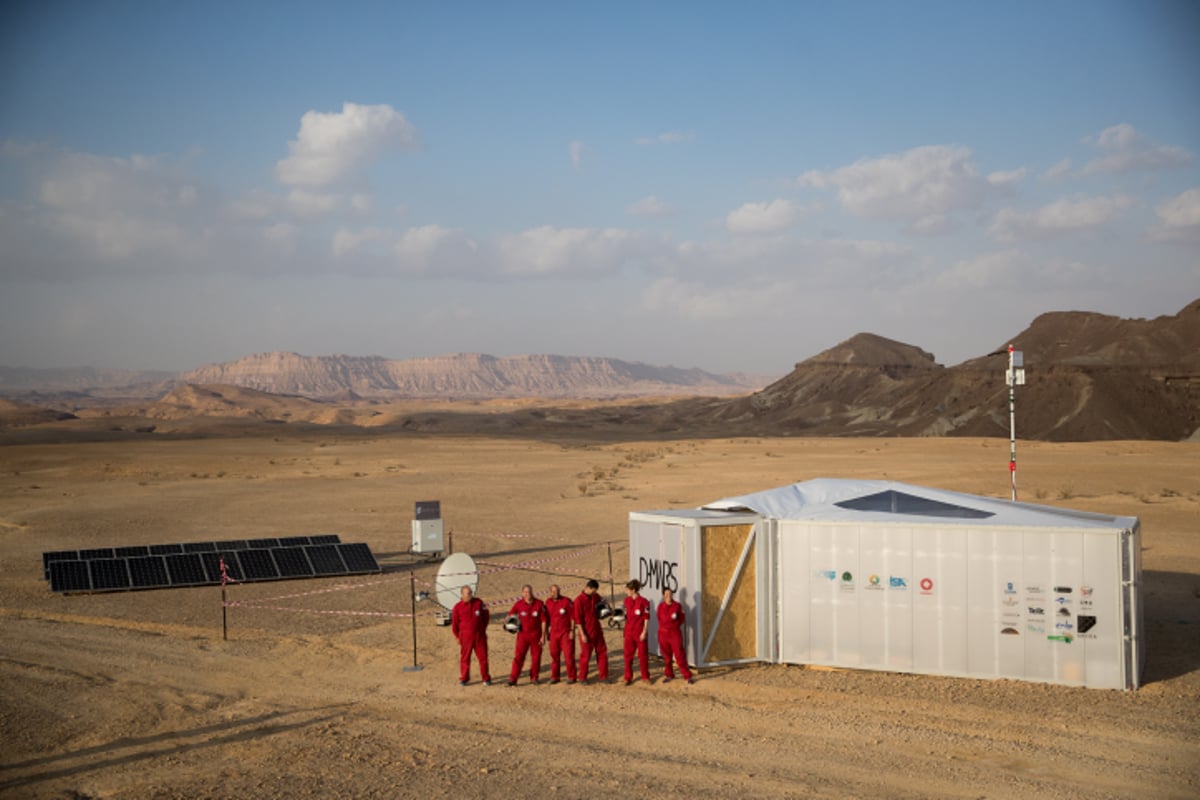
{"x":557,"y":620}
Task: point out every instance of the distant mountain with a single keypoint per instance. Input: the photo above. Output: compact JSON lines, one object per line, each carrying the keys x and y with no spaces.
{"x":463,"y":375}
{"x":78,"y":379}
{"x":1089,"y":376}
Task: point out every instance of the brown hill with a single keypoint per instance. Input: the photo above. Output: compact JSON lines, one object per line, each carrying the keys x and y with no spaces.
{"x":236,"y":402}
{"x":1089,"y":376}
{"x":19,"y":415}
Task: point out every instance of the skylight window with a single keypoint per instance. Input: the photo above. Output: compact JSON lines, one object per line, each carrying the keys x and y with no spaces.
{"x":893,"y":502}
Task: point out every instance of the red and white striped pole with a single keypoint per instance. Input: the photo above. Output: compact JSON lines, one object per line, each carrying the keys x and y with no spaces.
{"x":1012,"y":421}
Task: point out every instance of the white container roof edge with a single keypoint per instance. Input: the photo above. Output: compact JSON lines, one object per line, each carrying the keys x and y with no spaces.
{"x":817,"y":500}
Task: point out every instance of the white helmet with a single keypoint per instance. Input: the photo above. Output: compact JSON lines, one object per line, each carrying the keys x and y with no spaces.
{"x":603,"y":610}
{"x":512,"y":624}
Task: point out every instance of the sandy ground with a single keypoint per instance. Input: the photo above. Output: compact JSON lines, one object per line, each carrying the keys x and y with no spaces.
{"x":136,"y":695}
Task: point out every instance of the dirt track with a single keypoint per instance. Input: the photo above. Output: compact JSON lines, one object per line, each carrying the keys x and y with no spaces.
{"x":135,"y":694}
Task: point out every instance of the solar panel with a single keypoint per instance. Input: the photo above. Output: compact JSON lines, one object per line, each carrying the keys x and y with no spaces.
{"x":258,"y":565}
{"x":212,"y":565}
{"x":199,"y":563}
{"x":292,"y":562}
{"x":109,"y":574}
{"x":57,"y":555}
{"x":148,"y":572}
{"x":358,"y":558}
{"x":325,"y":559}
{"x":70,"y":576}
{"x":96,"y":552}
{"x":185,"y":569}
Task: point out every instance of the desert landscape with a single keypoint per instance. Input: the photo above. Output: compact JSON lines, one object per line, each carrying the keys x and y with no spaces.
{"x":135,"y":694}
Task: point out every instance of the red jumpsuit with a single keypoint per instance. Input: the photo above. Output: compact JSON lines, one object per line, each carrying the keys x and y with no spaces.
{"x":468,"y":623}
{"x":637,"y":617}
{"x":562,"y":640}
{"x":670,"y":639}
{"x":587,"y":617}
{"x":533,"y":627}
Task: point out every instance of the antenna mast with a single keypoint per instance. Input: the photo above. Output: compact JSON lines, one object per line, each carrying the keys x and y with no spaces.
{"x":1014,"y":377}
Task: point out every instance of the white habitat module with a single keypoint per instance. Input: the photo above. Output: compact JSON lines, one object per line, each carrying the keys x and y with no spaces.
{"x":889,"y":576}
{"x":428,"y":532}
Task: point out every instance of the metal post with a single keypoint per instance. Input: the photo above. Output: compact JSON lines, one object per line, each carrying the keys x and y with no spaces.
{"x":1012,"y":422}
{"x":612,"y":589}
{"x":224,"y":607}
{"x":412,"y":594}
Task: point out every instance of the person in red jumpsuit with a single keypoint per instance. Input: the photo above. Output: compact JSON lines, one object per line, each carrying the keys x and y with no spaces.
{"x":562,"y":634}
{"x":637,"y":628}
{"x":532,"y":615}
{"x":591,"y":634}
{"x":468,"y":623}
{"x":670,"y":637}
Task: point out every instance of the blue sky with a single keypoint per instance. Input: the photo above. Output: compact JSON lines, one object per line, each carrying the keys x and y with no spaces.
{"x":734,"y":187}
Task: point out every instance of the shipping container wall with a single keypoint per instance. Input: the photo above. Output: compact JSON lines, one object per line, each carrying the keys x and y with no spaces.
{"x":954,"y":599}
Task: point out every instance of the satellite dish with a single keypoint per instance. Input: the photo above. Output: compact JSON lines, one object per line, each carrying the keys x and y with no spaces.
{"x":456,"y":572}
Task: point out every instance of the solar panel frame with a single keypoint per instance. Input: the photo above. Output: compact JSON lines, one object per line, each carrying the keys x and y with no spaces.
{"x":96,"y":552}
{"x":70,"y":576}
{"x":109,"y":574}
{"x":132,"y":551}
{"x":200,"y":547}
{"x":325,"y":538}
{"x":293,"y":541}
{"x":57,"y":555}
{"x":258,"y":565}
{"x":358,"y":558}
{"x":186,"y":569}
{"x":148,"y":572}
{"x":292,"y":562}
{"x":232,"y":544}
{"x":326,"y":560}
{"x":261,"y":543}
{"x":165,"y":549}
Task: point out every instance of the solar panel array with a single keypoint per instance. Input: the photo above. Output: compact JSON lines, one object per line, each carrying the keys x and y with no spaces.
{"x":162,"y":566}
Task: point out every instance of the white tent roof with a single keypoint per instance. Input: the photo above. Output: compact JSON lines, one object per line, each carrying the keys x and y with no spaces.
{"x":884,"y":501}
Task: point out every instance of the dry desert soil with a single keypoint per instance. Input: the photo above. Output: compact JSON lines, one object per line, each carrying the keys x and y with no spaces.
{"x":135,"y":694}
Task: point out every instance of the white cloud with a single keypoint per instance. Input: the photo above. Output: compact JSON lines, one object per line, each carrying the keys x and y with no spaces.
{"x":304,"y":203}
{"x":1058,"y":170}
{"x":650,"y":206}
{"x":1178,"y":219}
{"x":1068,"y":215}
{"x":921,"y":186}
{"x":1015,"y":270}
{"x":1006,"y":178}
{"x":1127,"y":149}
{"x":696,"y":301}
{"x":548,"y":251}
{"x":765,"y":217}
{"x":666,"y":137}
{"x":331,"y":147}
{"x":578,"y":150}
